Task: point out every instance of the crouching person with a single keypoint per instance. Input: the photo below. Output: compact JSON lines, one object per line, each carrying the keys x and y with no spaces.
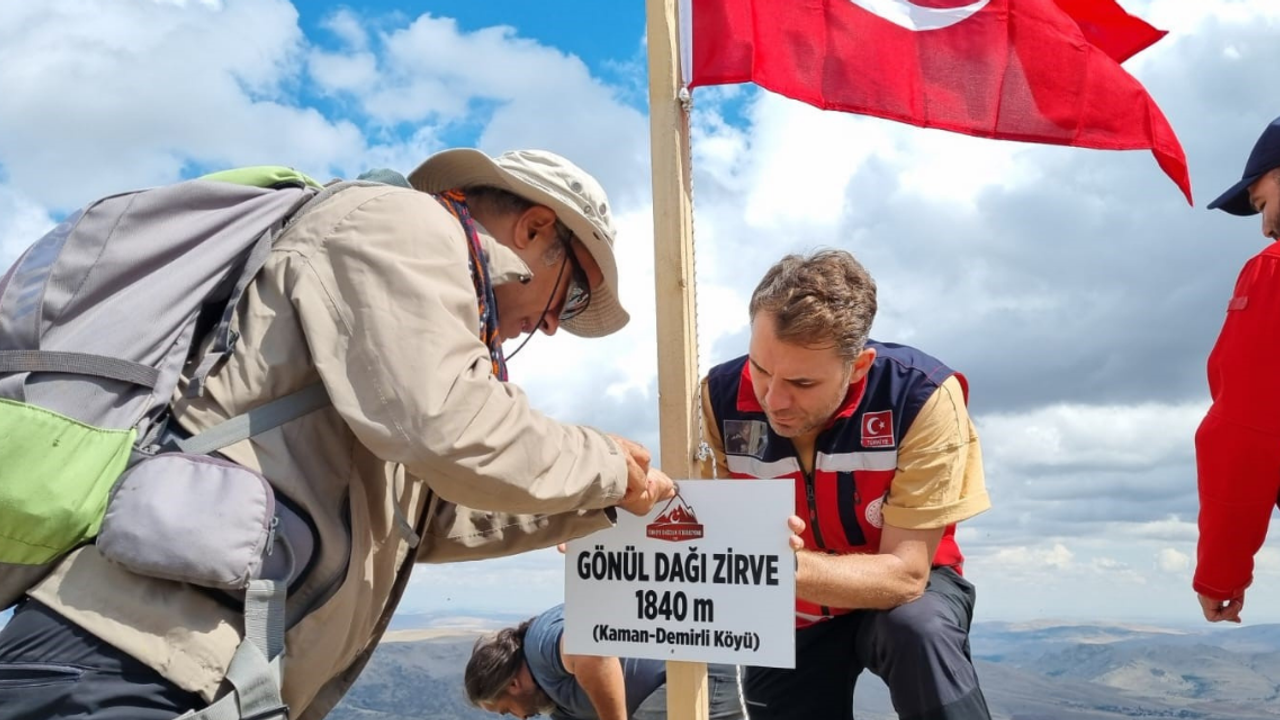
{"x":524,"y":671}
{"x":886,"y":462}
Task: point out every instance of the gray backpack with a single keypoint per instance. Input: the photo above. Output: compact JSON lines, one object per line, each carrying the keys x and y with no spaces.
{"x":99,"y":320}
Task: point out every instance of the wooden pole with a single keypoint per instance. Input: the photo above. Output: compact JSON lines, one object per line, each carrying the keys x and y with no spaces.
{"x":674,"y":286}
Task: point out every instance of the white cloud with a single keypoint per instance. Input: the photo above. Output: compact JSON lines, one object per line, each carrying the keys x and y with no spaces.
{"x":1267,"y":561}
{"x":801,"y":162}
{"x":343,"y":73}
{"x":346,"y":25}
{"x":22,"y":222}
{"x":1113,"y":570}
{"x":1187,"y":18}
{"x":211,"y":4}
{"x":105,"y":97}
{"x":1171,"y":560}
{"x":522,"y":583}
{"x":1069,"y":435}
{"x":1057,"y":556}
{"x":1170,"y":529}
{"x":534,"y":95}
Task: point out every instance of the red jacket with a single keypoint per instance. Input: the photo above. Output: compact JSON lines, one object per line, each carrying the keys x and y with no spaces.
{"x":1238,"y":443}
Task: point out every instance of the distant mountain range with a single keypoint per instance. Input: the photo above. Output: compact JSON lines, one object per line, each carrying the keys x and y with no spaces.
{"x":1038,"y":671}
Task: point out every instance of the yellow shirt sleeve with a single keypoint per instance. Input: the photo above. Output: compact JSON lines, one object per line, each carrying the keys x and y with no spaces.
{"x":939,"y":480}
{"x":711,"y":434}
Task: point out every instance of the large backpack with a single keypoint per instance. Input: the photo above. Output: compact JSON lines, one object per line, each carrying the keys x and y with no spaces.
{"x":99,"y":320}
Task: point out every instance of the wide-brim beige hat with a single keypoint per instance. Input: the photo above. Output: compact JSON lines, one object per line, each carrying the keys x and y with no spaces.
{"x":546,"y":179}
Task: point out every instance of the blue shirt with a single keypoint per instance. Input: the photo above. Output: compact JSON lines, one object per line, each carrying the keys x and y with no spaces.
{"x":542,"y":653}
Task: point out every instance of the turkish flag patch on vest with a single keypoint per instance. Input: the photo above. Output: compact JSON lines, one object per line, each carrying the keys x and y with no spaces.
{"x":877,"y":429}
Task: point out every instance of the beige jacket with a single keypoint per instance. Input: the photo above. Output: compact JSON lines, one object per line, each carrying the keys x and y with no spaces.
{"x":370,"y":293}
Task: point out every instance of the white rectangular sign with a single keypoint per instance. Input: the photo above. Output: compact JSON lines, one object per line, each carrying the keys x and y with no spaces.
{"x":708,"y":576}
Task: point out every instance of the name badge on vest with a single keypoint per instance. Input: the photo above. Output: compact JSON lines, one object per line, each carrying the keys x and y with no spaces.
{"x":745,"y":437}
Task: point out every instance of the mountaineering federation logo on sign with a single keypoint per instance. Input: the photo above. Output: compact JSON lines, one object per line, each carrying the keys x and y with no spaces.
{"x":877,"y":429}
{"x":676,"y":522}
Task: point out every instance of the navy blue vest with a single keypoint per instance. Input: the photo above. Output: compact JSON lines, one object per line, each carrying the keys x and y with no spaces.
{"x":857,"y":452}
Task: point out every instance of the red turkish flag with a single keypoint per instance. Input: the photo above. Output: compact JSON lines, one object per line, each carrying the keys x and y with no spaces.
{"x":1110,"y":29}
{"x":1009,"y":69}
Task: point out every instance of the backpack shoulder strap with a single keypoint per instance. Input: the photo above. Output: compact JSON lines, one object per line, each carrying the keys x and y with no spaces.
{"x":224,"y":339}
{"x":257,"y":668}
{"x":258,"y":420}
{"x":77,"y":363}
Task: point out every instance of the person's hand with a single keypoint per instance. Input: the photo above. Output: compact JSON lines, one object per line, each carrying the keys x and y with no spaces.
{"x":796,"y":525}
{"x":1220,"y":610}
{"x":657,"y":487}
{"x":637,"y":457}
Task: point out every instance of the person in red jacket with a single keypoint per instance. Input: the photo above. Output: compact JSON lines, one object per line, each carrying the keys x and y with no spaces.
{"x":1238,"y":442}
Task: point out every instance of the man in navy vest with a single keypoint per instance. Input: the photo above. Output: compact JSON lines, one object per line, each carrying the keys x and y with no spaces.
{"x":886,"y":461}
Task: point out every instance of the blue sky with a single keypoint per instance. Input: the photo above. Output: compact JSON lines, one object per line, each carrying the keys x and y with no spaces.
{"x":1075,"y":288}
{"x":598,"y":32}
{"x":607,"y":36}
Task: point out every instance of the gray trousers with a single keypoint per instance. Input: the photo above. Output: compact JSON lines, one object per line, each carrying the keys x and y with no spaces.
{"x":920,"y":650}
{"x":50,"y":668}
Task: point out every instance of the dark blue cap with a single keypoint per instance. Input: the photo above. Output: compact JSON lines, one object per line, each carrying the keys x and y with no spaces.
{"x":1265,"y":157}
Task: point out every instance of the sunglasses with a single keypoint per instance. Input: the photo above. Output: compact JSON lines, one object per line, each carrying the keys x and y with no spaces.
{"x":578,"y":296}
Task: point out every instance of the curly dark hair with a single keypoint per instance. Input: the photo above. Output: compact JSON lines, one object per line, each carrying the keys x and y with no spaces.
{"x":827,"y":299}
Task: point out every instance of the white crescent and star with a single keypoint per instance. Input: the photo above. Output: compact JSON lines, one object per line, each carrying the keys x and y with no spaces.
{"x":907,"y":14}
{"x":874,"y":426}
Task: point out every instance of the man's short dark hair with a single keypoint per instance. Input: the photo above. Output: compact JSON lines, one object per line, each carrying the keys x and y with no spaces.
{"x":827,"y":299}
{"x":496,"y":200}
{"x":504,"y":202}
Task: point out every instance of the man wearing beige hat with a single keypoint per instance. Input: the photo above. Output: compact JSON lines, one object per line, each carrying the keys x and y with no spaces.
{"x":398,"y":301}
